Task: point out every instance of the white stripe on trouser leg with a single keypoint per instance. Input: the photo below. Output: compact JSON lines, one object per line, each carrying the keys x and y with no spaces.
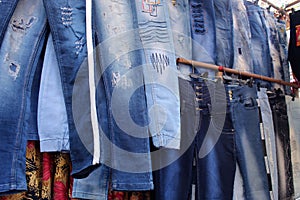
{"x":94,"y":118}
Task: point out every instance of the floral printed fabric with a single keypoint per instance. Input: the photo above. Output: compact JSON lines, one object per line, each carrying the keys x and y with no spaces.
{"x":48,"y":178}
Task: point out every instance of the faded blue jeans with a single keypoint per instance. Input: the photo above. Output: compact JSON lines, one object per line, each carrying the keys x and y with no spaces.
{"x":259,"y":40}
{"x":203,"y":31}
{"x":242,"y":49}
{"x":125,"y":144}
{"x":19,"y":56}
{"x":224,"y":32}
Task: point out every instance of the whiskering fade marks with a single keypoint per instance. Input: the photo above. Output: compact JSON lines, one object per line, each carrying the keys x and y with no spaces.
{"x":14,"y":70}
{"x":116,"y":77}
{"x":22,"y":25}
{"x":67,"y":16}
{"x":159,"y":61}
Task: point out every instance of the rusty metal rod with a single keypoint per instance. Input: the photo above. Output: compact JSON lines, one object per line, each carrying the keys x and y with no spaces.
{"x":234,"y":71}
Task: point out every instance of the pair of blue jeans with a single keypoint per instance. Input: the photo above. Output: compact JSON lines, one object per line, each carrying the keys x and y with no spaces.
{"x":207,"y":157}
{"x":20,"y":53}
{"x":259,"y":40}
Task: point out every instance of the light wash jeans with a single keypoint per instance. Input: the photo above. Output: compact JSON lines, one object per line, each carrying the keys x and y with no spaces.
{"x":52,"y":115}
{"x":160,"y":72}
{"x":269,"y":135}
{"x":242,"y":49}
{"x":293,"y":111}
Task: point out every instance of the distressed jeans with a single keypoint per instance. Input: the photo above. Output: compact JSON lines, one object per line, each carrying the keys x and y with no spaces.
{"x":203,"y":32}
{"x":125,"y":144}
{"x":19,"y":56}
{"x":293,"y":111}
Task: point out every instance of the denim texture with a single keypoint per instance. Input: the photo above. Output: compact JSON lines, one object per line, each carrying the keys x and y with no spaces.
{"x":293,"y":112}
{"x":283,"y":46}
{"x":242,"y":48}
{"x":52,"y":115}
{"x":93,"y":187}
{"x":160,"y":72}
{"x":212,"y":174}
{"x":125,"y":135}
{"x":259,"y":40}
{"x":203,"y":32}
{"x":19,"y":54}
{"x":274,"y":47}
{"x":283,"y":153}
{"x":7,"y":8}
{"x":269,"y":135}
{"x":249,"y":152}
{"x":224,"y":32}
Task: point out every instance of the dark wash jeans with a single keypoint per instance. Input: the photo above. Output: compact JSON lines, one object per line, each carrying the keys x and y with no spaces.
{"x":283,"y":151}
{"x":239,"y":142}
{"x":214,"y":173}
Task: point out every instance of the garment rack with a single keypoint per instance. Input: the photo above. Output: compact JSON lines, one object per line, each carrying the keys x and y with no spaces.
{"x":234,"y":71}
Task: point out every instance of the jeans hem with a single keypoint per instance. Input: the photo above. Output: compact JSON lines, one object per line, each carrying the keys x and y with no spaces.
{"x":54,"y":145}
{"x":133,"y":187}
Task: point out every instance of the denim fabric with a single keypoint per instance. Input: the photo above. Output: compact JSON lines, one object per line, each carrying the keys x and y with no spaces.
{"x":52,"y":115}
{"x":238,"y":189}
{"x":259,"y":40}
{"x":274,"y":47}
{"x":283,"y":153}
{"x":7,"y":7}
{"x":125,"y":135}
{"x":180,"y":24}
{"x":67,"y":24}
{"x":94,"y":187}
{"x":160,"y":72}
{"x":242,"y":49}
{"x":269,"y":135}
{"x":213,"y":173}
{"x":203,"y":31}
{"x":250,"y":157}
{"x":19,"y":56}
{"x":283,"y":46}
{"x":224,"y":32}
{"x":293,"y":111}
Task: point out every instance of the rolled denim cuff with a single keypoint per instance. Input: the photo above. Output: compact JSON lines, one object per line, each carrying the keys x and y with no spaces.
{"x":55,"y":145}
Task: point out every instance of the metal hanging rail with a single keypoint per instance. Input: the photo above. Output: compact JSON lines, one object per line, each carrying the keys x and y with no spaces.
{"x":234,"y":71}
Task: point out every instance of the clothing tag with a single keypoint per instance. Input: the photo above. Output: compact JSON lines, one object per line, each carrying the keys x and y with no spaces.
{"x":298,"y":35}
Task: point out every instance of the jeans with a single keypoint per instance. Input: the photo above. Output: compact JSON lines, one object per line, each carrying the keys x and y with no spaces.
{"x":250,"y":157}
{"x":180,"y":24}
{"x":53,"y":136}
{"x":269,"y":135}
{"x":224,"y":33}
{"x":283,"y":46}
{"x":284,"y":163}
{"x":19,"y":54}
{"x":93,"y":187}
{"x":160,"y":72}
{"x":204,"y":111}
{"x":242,"y":48}
{"x":274,"y":47}
{"x":203,"y":32}
{"x":125,"y":134}
{"x":259,"y":40}
{"x":293,"y":111}
{"x":7,"y":7}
